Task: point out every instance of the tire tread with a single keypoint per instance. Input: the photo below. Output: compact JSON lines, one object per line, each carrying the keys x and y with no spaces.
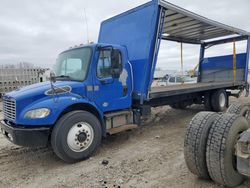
{"x":195,"y":143}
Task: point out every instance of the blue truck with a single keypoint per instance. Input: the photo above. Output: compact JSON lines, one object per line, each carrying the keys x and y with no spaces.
{"x":105,"y":88}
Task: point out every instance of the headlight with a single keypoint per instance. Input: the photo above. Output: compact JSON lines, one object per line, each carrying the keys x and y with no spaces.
{"x":37,"y":113}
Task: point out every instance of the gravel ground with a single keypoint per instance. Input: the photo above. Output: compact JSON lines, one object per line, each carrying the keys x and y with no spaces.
{"x":150,"y":156}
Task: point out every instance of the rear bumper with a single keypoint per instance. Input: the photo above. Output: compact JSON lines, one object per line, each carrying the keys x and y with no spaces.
{"x":28,"y":137}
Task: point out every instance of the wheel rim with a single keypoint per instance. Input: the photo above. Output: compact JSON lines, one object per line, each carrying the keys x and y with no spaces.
{"x":234,"y":159}
{"x":80,"y":137}
{"x":222,"y":100}
{"x":247,"y":115}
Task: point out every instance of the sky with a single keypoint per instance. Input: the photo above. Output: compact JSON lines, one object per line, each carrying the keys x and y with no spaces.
{"x":37,"y":31}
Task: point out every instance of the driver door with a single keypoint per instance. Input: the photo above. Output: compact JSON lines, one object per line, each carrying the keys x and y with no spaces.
{"x":111,"y":93}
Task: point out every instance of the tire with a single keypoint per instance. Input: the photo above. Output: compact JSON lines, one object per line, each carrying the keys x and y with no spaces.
{"x":220,"y":155}
{"x":86,"y":129}
{"x":196,"y":141}
{"x":239,"y":109}
{"x":219,"y":100}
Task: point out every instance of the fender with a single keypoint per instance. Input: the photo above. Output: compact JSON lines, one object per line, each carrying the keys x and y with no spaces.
{"x":58,"y":106}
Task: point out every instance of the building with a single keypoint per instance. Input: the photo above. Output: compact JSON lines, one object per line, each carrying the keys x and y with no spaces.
{"x":15,"y":76}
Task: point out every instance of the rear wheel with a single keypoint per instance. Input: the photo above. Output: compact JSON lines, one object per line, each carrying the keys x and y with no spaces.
{"x":196,"y":141}
{"x":219,"y":100}
{"x":220,"y":155}
{"x":240,"y":109}
{"x":76,"y":136}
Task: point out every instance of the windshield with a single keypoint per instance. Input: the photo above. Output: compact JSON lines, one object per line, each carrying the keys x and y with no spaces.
{"x":73,"y":64}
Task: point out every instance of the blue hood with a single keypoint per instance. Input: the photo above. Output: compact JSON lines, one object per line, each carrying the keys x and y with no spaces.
{"x":37,"y":91}
{"x":33,"y":96}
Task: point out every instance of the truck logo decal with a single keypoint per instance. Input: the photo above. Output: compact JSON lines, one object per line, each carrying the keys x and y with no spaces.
{"x":105,"y":104}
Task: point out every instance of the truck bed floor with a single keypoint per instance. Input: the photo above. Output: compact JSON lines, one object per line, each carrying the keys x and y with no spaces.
{"x":158,"y":92}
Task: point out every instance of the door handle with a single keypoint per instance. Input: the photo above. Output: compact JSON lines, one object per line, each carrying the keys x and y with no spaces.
{"x":109,"y":80}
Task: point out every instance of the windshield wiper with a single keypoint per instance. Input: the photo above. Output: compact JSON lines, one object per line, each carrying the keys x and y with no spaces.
{"x":63,"y":76}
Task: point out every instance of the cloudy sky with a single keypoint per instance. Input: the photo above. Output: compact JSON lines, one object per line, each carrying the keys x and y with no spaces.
{"x":36,"y":31}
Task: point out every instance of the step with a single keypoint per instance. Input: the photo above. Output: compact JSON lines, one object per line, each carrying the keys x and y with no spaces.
{"x":121,"y":129}
{"x":119,"y":113}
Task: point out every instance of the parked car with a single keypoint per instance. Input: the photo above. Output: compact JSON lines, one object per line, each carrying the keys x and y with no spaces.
{"x":176,"y":80}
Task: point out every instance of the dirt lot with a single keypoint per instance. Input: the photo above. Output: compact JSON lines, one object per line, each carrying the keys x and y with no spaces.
{"x":151,"y":156}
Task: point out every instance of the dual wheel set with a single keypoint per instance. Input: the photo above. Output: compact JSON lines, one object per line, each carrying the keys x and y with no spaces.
{"x":216,"y":101}
{"x":210,"y":144}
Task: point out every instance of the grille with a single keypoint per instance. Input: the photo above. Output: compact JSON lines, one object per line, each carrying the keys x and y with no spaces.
{"x":9,"y":109}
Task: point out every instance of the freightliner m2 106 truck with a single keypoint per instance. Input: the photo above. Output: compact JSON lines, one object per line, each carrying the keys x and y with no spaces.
{"x":105,"y":88}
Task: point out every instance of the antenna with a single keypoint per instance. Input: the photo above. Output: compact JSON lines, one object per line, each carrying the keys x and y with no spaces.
{"x":87,"y":27}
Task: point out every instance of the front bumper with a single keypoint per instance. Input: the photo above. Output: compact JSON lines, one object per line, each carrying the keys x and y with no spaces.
{"x":23,"y":136}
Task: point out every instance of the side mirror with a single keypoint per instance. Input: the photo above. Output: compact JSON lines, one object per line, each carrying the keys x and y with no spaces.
{"x":53,"y":76}
{"x":116,"y":73}
{"x":116,"y":63}
{"x":115,"y":57}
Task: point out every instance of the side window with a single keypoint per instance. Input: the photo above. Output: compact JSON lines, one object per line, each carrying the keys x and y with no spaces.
{"x":105,"y":66}
{"x":172,"y":80}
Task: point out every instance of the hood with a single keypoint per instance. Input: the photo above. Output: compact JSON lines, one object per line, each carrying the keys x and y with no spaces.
{"x":37,"y":91}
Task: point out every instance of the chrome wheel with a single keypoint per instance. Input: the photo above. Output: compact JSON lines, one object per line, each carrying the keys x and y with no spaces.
{"x":222,"y":100}
{"x":80,"y":137}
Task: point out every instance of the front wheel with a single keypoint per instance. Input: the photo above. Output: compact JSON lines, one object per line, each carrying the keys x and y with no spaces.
{"x":76,"y":136}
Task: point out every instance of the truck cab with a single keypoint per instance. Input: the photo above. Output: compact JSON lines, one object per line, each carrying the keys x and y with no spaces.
{"x":95,"y":78}
{"x":105,"y":88}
